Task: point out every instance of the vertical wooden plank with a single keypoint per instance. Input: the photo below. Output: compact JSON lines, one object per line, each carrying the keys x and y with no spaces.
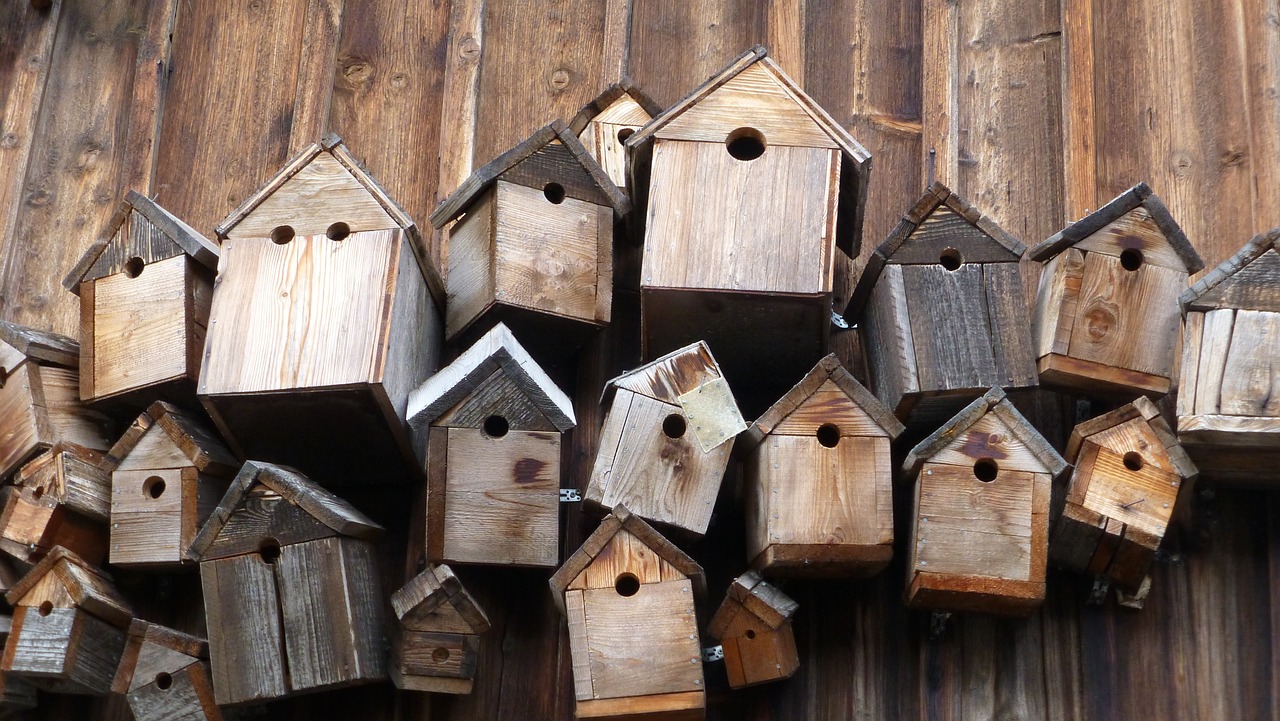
{"x":316,"y":59}
{"x":1080,"y":161}
{"x":940,"y":97}
{"x":676,"y":46}
{"x":146,"y":110}
{"x":246,"y":648}
{"x":1258,"y":27}
{"x":785,"y":25}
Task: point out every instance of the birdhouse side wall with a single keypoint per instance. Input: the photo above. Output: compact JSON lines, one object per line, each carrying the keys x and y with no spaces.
{"x":39,"y":407}
{"x":65,"y":650}
{"x":471,"y":285}
{"x":32,"y":526}
{"x":891,"y":352}
{"x":73,"y":479}
{"x":412,"y":336}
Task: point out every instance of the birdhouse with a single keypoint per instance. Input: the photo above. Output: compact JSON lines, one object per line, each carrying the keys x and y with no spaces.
{"x":751,"y":188}
{"x":533,"y":242}
{"x":164,"y":674}
{"x":39,"y":397}
{"x":981,"y":512}
{"x":604,"y":124}
{"x":664,"y":446}
{"x":1106,"y":318}
{"x":170,"y":473}
{"x":753,"y":625}
{"x":291,"y":586}
{"x":1129,"y":471}
{"x":943,"y":309}
{"x":69,"y":626}
{"x":819,"y":479}
{"x":628,"y":595}
{"x":145,"y":290}
{"x":16,"y":692}
{"x":437,"y":643}
{"x":325,"y":315}
{"x":1228,"y":415}
{"x":491,"y":422}
{"x":59,"y":498}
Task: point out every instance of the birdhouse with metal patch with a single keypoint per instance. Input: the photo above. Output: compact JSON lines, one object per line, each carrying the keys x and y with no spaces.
{"x":436,"y":646}
{"x":164,"y":674}
{"x":62,"y":497}
{"x":753,"y":625}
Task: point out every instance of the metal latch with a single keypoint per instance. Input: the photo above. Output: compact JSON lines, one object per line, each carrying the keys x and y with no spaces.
{"x":713,"y":653}
{"x":570,"y":495}
{"x":838,"y":321}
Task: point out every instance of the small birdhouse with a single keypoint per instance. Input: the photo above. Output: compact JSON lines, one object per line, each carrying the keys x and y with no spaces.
{"x":40,"y":397}
{"x":491,"y":423}
{"x":628,"y":595}
{"x":326,"y":314}
{"x":59,"y":498}
{"x":943,"y":310}
{"x":292,"y":595}
{"x":164,"y":674}
{"x":69,"y":626}
{"x":819,"y":479}
{"x":1106,"y":317}
{"x":1228,"y":415}
{"x":1129,"y":471}
{"x":145,"y":290}
{"x":437,"y":644}
{"x":981,"y":512}
{"x":533,"y":242}
{"x":170,"y":473}
{"x":665,"y":444}
{"x":16,"y":692}
{"x":751,"y":189}
{"x":753,"y":625}
{"x":604,"y":124}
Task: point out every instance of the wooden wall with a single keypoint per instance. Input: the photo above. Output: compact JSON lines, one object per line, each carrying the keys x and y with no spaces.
{"x":1036,"y":111}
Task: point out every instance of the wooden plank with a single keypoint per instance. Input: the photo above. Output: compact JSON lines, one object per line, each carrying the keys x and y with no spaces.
{"x":968,"y":527}
{"x":460,"y":100}
{"x":1250,"y":374}
{"x":890,"y":342}
{"x":1214,"y":345}
{"x":1252,"y":287}
{"x":1010,"y":326}
{"x":140,"y":327}
{"x":675,"y":48}
{"x":624,"y":554}
{"x":1079,"y":126}
{"x":246,"y":648}
{"x":954,"y":349}
{"x":660,"y":659}
{"x":316,"y":60}
{"x":184,"y":695}
{"x":472,"y":282}
{"x":577,"y":615}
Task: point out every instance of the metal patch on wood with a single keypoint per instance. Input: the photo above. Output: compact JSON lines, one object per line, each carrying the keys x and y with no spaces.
{"x":712,"y":413}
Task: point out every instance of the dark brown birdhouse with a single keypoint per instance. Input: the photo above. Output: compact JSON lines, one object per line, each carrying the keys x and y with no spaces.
{"x":145,"y":290}
{"x":291,"y":585}
{"x":16,"y":692}
{"x":327,"y":312}
{"x":491,"y":423}
{"x":943,"y":311}
{"x":1129,"y":472}
{"x":628,"y":595}
{"x":753,"y":625}
{"x":164,"y":674}
{"x":1106,"y":317}
{"x":666,"y":439}
{"x":604,"y":124}
{"x":981,"y":512}
{"x":437,"y":641}
{"x":819,"y":479}
{"x":59,"y":498}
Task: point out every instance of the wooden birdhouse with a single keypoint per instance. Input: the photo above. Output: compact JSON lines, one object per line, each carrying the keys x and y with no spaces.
{"x":145,"y":290}
{"x":753,"y":625}
{"x":325,"y":315}
{"x":1106,"y":317}
{"x":628,"y":595}
{"x":292,"y":595}
{"x":749,"y":190}
{"x":164,"y":674}
{"x":69,"y":626}
{"x":981,"y":512}
{"x":819,"y":479}
{"x":491,"y":423}
{"x":1228,"y":414}
{"x":437,"y":641}
{"x":39,"y":397}
{"x":533,"y":243}
{"x":1129,"y":471}
{"x":59,"y":498}
{"x":16,"y":692}
{"x":665,"y":443}
{"x":943,"y":309}
{"x":604,"y":124}
{"x":170,"y":472}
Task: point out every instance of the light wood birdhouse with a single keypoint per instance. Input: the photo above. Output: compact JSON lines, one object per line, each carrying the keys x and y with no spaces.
{"x":604,"y":124}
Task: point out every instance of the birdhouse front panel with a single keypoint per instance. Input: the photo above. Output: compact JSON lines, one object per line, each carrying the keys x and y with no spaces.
{"x":182,"y":694}
{"x":72,"y":476}
{"x":63,"y":649}
{"x":164,"y":675}
{"x":156,"y":513}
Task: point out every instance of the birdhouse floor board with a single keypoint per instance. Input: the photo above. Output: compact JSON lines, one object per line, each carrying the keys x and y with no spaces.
{"x":685,"y":706}
{"x":431,"y":684}
{"x":978,"y":594}
{"x":1060,"y":371}
{"x":645,"y":643}
{"x":812,"y":560}
{"x":1241,"y":432}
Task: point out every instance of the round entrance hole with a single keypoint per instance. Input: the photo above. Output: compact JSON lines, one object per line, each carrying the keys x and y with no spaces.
{"x":625,"y":133}
{"x":163,"y":681}
{"x":750,"y":634}
{"x":440,"y":655}
{"x":554,"y":193}
{"x":269,"y":550}
{"x":153,"y":487}
{"x":745,"y":143}
{"x":45,"y":608}
{"x":337,"y":231}
{"x":1133,"y":461}
{"x":282,"y":234}
{"x":1131,"y":259}
{"x":133,"y":267}
{"x":950,"y":259}
{"x":496,"y":426}
{"x":828,"y":435}
{"x":673,"y":425}
{"x":627,"y":585}
{"x":985,"y":470}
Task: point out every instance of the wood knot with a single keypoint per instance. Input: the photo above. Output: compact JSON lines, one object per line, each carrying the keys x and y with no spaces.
{"x":357,"y":72}
{"x":469,"y":48}
{"x":399,"y":81}
{"x":1099,"y":320}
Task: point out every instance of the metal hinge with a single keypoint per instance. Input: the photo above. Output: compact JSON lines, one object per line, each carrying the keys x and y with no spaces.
{"x":570,"y":495}
{"x":713,"y":653}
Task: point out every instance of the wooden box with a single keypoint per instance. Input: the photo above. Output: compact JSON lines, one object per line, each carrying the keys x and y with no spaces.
{"x":753,"y":625}
{"x":59,"y":498}
{"x":326,"y":314}
{"x":819,"y":479}
{"x":628,"y":595}
{"x":437,"y":641}
{"x":491,"y":423}
{"x":1106,"y":316}
{"x":980,"y":515}
{"x":164,"y":674}
{"x":604,"y":124}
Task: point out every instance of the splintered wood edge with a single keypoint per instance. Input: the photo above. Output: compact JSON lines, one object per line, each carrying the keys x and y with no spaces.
{"x":1248,"y":253}
{"x":43,"y":346}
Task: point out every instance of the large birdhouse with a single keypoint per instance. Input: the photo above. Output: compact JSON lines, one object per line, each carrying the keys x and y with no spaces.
{"x":981,"y":512}
{"x":819,"y":479}
{"x":164,"y":674}
{"x":749,"y":190}
{"x":325,"y":315}
{"x":69,"y":626}
{"x":1129,"y":472}
{"x":604,"y":124}
{"x":628,"y":595}
{"x":944,"y":311}
{"x":291,"y":585}
{"x":170,"y":473}
{"x":437,"y":642}
{"x":145,"y":290}
{"x":665,"y":444}
{"x":491,"y":423}
{"x":1106,"y":316}
{"x":753,"y":625}
{"x":60,"y":498}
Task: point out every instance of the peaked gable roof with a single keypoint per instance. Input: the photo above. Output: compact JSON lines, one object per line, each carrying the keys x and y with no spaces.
{"x":89,"y":587}
{"x":201,"y":446}
{"x":606,"y":99}
{"x":435,"y":586}
{"x":756,"y":595}
{"x":993,"y":401}
{"x":18,"y":343}
{"x":1246,"y":280}
{"x":1142,"y":409}
{"x":670,"y":376}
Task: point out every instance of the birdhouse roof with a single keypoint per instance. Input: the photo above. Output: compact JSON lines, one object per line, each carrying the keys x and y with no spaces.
{"x":757,"y":596}
{"x":435,"y":586}
{"x":497,"y":350}
{"x":529,"y":150}
{"x":1140,"y":409}
{"x":666,"y":379}
{"x":97,"y":263}
{"x":603,"y":101}
{"x":90,"y":588}
{"x":993,"y":401}
{"x":1245,"y":281}
{"x":18,"y":343}
{"x":201,"y":446}
{"x":1139,"y":196}
{"x":152,"y":649}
